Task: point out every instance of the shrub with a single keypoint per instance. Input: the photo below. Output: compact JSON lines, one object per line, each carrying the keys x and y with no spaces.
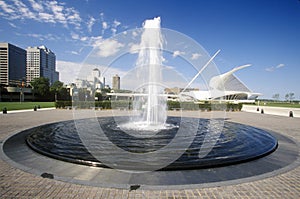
{"x":206,"y":106}
{"x":171,"y":105}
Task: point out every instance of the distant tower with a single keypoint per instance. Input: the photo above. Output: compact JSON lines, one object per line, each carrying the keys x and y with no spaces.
{"x":116,"y":82}
{"x":96,"y":80}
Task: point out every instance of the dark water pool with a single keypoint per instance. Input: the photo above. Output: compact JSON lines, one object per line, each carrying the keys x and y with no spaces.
{"x":237,"y":143}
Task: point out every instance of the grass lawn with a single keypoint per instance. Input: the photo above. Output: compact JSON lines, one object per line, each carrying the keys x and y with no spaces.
{"x":279,"y":104}
{"x":24,"y":105}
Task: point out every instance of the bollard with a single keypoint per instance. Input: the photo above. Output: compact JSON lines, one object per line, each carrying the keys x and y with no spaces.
{"x":39,"y":106}
{"x":4,"y":110}
{"x":35,"y":108}
{"x":291,"y":114}
{"x":262,"y":111}
{"x":257,"y":109}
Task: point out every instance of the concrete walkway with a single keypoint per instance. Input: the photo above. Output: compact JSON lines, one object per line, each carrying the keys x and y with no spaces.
{"x":27,"y":110}
{"x":280,"y":111}
{"x":15,"y":183}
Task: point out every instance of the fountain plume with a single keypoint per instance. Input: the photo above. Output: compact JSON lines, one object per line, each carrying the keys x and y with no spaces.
{"x":149,"y":63}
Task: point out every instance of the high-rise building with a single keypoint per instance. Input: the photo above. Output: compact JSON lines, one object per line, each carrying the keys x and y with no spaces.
{"x":12,"y":64}
{"x":41,"y":62}
{"x":116,"y":82}
{"x":93,"y":81}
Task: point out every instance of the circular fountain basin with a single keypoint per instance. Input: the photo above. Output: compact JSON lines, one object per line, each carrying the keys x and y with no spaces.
{"x":237,"y":143}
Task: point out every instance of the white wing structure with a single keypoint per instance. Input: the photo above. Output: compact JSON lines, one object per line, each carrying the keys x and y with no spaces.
{"x":225,"y":86}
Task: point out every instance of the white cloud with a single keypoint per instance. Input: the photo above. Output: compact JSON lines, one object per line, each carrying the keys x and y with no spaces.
{"x":24,"y":10}
{"x":104,"y":25}
{"x":46,"y":17}
{"x":134,"y":48}
{"x":74,"y":36}
{"x":12,"y":25}
{"x":169,"y":67}
{"x":74,"y":53}
{"x":95,"y":41}
{"x":134,"y":34}
{"x":114,"y":31}
{"x":178,"y":53}
{"x":115,"y":26}
{"x":102,"y":16}
{"x":90,"y":23}
{"x":270,"y":69}
{"x":109,"y":47}
{"x":280,"y":65}
{"x":57,"y":12}
{"x":73,"y":17}
{"x":195,"y":56}
{"x":116,"y":23}
{"x":50,"y":37}
{"x":68,"y":71}
{"x":84,"y":38}
{"x":273,"y":68}
{"x":36,"y":6}
{"x":42,"y":11}
{"x":9,"y":9}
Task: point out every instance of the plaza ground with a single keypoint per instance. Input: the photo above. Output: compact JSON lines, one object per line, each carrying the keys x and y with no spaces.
{"x":15,"y":183}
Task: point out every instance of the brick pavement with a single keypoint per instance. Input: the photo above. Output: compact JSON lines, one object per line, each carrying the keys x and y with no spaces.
{"x":15,"y":183}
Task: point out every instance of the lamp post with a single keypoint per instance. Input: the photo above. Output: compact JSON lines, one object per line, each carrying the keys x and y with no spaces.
{"x":21,"y":95}
{"x":21,"y":90}
{"x":55,"y":96}
{"x":32,"y":90}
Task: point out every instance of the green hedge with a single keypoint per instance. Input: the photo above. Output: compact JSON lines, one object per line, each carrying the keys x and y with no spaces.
{"x":206,"y":106}
{"x":124,"y":104}
{"x":89,"y":104}
{"x":62,"y":104}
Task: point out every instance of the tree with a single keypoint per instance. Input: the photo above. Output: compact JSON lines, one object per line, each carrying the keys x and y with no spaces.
{"x":56,"y":88}
{"x":64,"y":94}
{"x":286,"y":97}
{"x":290,"y":97}
{"x":276,"y":96}
{"x":104,"y":92}
{"x":98,"y":96}
{"x":41,"y":86}
{"x":2,"y":90}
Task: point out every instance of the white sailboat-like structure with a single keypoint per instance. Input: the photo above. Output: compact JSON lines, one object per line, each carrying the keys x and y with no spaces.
{"x":231,"y":88}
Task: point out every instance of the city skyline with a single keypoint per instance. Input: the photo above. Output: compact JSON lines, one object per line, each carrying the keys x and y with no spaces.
{"x":263,"y":33}
{"x":20,"y":65}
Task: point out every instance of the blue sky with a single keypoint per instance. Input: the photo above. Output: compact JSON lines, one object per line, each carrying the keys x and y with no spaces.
{"x":265,"y":33}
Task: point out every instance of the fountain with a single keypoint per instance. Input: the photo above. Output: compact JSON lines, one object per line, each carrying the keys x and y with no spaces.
{"x":150,"y":60}
{"x":148,"y":64}
{"x":146,"y":139}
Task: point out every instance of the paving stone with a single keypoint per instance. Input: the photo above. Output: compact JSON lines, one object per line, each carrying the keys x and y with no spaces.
{"x":15,"y":183}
